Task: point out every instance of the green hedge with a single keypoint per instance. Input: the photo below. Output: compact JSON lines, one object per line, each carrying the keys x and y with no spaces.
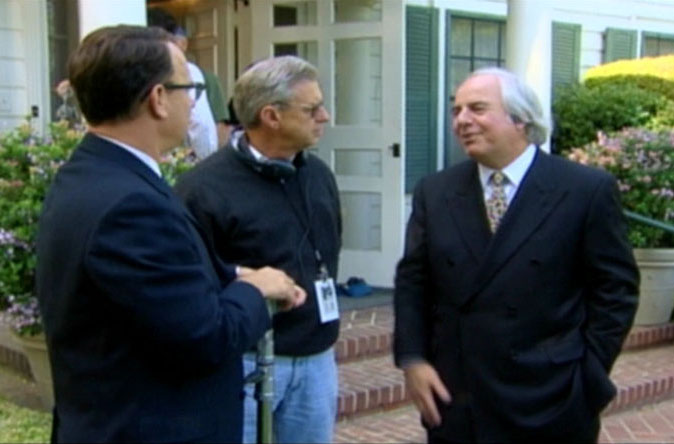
{"x":659,"y":85}
{"x":580,"y":111}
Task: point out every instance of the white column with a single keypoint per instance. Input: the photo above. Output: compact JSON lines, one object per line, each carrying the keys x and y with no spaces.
{"x":529,"y":47}
{"x":95,"y":14}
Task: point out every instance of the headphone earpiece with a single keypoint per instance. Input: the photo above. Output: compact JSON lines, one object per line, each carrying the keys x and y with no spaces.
{"x":269,"y":168}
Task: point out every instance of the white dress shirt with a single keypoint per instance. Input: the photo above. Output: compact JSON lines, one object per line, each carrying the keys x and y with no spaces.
{"x":514,"y":172}
{"x":202,"y":135}
{"x":142,"y":156}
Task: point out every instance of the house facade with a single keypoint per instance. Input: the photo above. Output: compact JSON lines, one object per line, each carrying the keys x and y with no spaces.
{"x":388,"y":71}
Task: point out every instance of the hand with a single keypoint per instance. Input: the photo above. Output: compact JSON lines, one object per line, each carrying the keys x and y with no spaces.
{"x":275,"y":285}
{"x":242,"y":271}
{"x":298,"y":299}
{"x":423,"y":382}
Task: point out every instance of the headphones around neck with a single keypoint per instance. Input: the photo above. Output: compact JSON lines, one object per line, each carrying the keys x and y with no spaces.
{"x":270,"y":168}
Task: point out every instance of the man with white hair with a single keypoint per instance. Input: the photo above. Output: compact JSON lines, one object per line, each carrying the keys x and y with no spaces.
{"x":517,"y":285}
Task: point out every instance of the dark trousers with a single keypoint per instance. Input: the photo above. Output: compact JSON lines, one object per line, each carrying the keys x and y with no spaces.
{"x":463,"y":430}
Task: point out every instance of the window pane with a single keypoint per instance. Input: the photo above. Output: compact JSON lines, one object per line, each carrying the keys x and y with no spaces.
{"x":486,"y":39}
{"x":306,"y":50}
{"x":459,"y":71}
{"x":358,"y":75}
{"x":357,"y":11}
{"x":358,"y":162}
{"x":650,"y":46}
{"x":362,"y":220}
{"x":485,"y":63}
{"x":666,"y":47}
{"x":461,"y":36}
{"x":295,"y":13}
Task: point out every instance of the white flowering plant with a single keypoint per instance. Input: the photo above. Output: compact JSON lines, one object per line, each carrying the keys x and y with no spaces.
{"x":642,"y":161}
{"x":28,"y":165}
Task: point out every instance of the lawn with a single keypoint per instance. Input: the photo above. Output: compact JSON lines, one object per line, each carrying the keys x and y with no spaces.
{"x":22,"y":425}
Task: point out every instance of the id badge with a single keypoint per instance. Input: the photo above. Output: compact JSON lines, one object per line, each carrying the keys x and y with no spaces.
{"x":327,"y":299}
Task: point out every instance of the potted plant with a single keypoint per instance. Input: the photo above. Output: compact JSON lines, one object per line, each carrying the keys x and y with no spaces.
{"x":642,"y":161}
{"x":28,"y":165}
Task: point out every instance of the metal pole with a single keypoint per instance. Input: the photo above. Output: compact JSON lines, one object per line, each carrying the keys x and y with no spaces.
{"x":264,"y":388}
{"x":263,"y":378}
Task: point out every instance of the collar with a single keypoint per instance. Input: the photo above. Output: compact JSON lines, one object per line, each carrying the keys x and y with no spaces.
{"x":238,"y":135}
{"x":142,"y":156}
{"x":514,"y":171}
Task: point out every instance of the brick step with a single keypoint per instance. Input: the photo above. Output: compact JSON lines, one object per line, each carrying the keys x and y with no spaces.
{"x":365,"y":333}
{"x":369,"y":385}
{"x":641,"y":376}
{"x":368,"y":332}
{"x":649,"y":336}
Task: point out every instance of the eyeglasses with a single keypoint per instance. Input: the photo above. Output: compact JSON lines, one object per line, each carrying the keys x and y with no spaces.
{"x":193,"y":89}
{"x":311,"y":110}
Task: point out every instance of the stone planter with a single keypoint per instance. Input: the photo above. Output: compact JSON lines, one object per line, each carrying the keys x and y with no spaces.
{"x":656,"y":299}
{"x":35,"y":349}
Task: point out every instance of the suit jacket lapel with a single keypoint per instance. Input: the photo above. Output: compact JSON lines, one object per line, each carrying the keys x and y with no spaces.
{"x":467,"y":210}
{"x":538,"y":194}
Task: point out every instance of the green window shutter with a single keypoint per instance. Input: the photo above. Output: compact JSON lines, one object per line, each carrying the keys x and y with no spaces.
{"x":421,"y":93}
{"x":619,"y":44}
{"x":655,"y":44}
{"x":565,"y":54}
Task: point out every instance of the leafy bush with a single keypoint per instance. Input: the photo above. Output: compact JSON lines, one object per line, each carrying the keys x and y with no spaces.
{"x":27,"y":167}
{"x":651,"y":73}
{"x":664,"y":119}
{"x":581,"y":111}
{"x":663,"y":87}
{"x":643,"y":163}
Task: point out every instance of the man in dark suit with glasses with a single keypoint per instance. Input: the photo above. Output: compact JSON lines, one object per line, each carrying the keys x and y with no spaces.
{"x":145,"y":327}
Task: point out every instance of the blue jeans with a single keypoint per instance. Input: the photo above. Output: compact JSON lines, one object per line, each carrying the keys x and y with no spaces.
{"x":305,"y":399}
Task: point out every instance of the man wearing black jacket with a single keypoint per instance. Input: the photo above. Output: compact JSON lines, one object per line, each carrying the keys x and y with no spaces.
{"x":263,"y":199}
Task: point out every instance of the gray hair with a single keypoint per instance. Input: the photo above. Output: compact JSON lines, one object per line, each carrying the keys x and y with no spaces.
{"x":269,"y":81}
{"x":520,"y":102}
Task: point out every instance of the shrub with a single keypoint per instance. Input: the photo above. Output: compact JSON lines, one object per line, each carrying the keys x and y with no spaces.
{"x":663,"y":87}
{"x":581,"y":111}
{"x":27,"y":167}
{"x":664,"y":119}
{"x":643,"y":163}
{"x":652,"y":73}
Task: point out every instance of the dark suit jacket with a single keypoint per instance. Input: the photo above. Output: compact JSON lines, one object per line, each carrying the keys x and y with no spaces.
{"x":145,"y":332}
{"x":523,"y":326}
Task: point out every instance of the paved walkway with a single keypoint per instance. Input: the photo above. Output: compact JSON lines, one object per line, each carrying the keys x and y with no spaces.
{"x":649,"y":424}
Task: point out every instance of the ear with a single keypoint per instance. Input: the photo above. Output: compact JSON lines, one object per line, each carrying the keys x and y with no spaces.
{"x":157,"y":102}
{"x":270,"y":116}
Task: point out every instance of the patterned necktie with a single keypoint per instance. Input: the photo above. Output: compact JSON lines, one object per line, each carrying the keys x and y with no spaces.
{"x":497,"y":204}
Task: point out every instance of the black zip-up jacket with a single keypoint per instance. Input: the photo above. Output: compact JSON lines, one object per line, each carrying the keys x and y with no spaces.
{"x":253,"y":219}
